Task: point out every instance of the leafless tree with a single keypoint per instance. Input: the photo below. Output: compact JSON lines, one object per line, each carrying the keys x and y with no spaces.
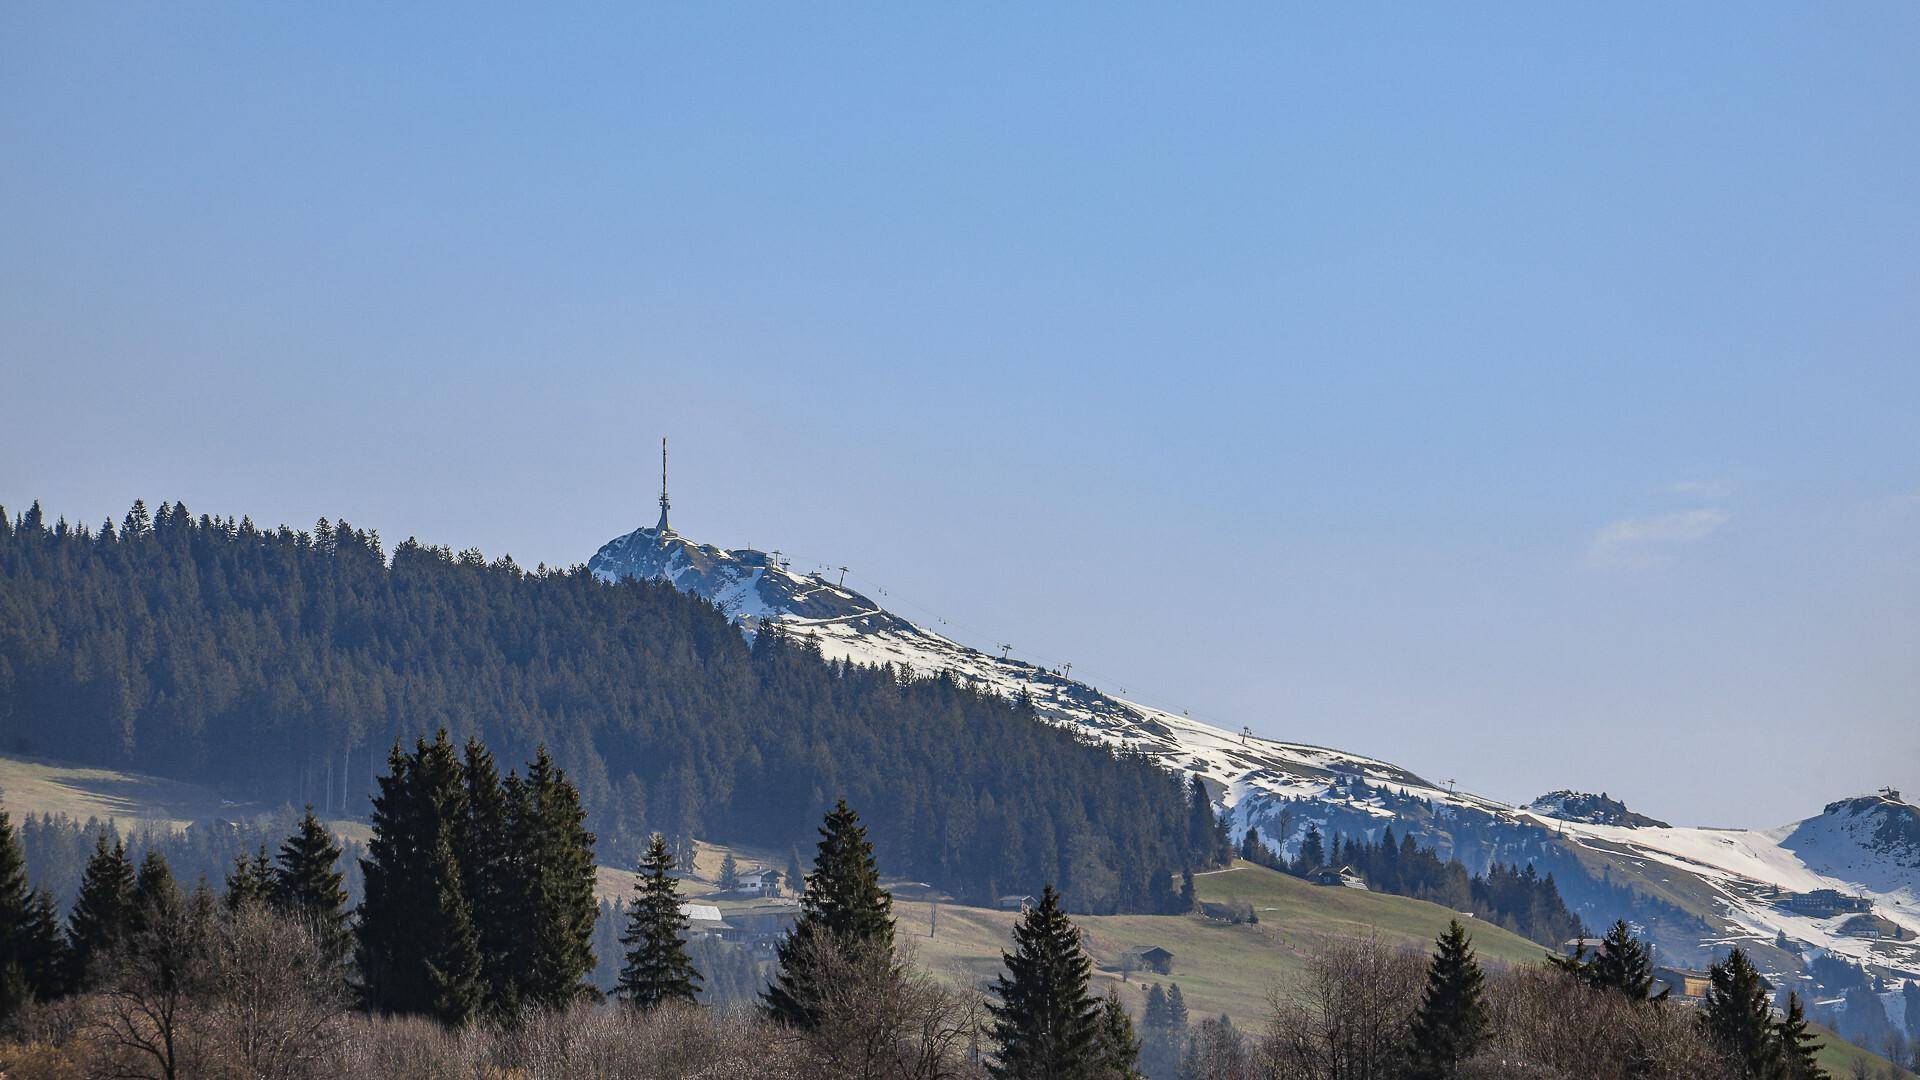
{"x":882,"y":1017}
{"x":1347,"y":1017}
{"x":1215,"y":1051}
{"x":143,"y":1022}
{"x":1547,"y":1024}
{"x":279,"y":995}
{"x":602,"y":1040}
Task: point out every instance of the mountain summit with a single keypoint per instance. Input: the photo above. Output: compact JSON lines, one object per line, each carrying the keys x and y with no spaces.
{"x":1689,"y":887}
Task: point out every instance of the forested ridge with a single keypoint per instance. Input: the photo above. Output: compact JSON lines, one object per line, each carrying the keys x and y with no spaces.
{"x":282,"y":665}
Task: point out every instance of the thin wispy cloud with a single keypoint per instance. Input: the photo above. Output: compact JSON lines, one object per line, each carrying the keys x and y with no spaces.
{"x":1701,"y":489}
{"x":1636,"y":543}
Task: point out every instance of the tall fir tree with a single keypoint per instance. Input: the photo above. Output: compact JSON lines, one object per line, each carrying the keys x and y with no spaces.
{"x":729,"y":874}
{"x":1313,"y":851}
{"x":250,"y":881}
{"x":1155,"y":1012}
{"x":796,"y":877}
{"x":103,"y":913}
{"x":488,"y":849}
{"x":1621,"y":966}
{"x":554,"y":944}
{"x":843,"y":907}
{"x":1799,"y":1046}
{"x":1250,"y":847}
{"x":1452,"y":1020}
{"x":1118,"y":1056}
{"x":1046,"y":1024}
{"x":1161,"y":1044}
{"x":1206,"y":831}
{"x":418,"y":952}
{"x":1737,"y":1017}
{"x":658,"y":970}
{"x":308,"y":885}
{"x":154,"y":890}
{"x":30,"y":945}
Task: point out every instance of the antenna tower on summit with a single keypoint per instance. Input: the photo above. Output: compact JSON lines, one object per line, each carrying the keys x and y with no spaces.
{"x":663,"y":527}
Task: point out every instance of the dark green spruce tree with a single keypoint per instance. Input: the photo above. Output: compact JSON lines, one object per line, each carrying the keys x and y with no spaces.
{"x":417,"y":949}
{"x":1118,"y":1057}
{"x":488,"y":848}
{"x":102,"y":915}
{"x":1163,"y":1036}
{"x":553,"y":953}
{"x":154,"y":890}
{"x":1250,"y":847}
{"x":1452,"y":1020}
{"x":1621,"y":966}
{"x":250,"y":881}
{"x":843,"y":908}
{"x":658,"y":970}
{"x":1737,"y":1016}
{"x":307,"y":885}
{"x":1046,"y":1024}
{"x":796,"y":878}
{"x":1313,"y":851}
{"x":1799,"y":1046}
{"x":30,"y":945}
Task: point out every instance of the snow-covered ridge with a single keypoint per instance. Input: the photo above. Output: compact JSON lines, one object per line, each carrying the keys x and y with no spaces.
{"x":1590,"y":808}
{"x":1734,"y":879}
{"x":751,"y":587}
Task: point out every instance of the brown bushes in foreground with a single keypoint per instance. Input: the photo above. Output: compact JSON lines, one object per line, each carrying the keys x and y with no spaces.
{"x":598,"y":1040}
{"x":202,"y":992}
{"x":585,"y":1041}
{"x":1347,"y":1018}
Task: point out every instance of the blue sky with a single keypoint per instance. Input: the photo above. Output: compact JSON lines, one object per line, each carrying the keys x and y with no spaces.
{"x":1526,"y":396}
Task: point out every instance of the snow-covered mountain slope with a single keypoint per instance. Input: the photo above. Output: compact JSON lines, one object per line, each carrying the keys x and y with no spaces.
{"x":751,"y":587}
{"x":1590,"y":808}
{"x":1860,"y":847}
{"x":1691,"y":888}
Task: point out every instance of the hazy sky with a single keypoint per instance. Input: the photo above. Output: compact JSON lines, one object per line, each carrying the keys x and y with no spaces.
{"x":1529,"y":397}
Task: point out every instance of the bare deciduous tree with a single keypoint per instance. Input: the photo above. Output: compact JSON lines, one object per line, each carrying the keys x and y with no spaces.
{"x":881,"y":1017}
{"x":143,"y":1020}
{"x":1347,"y":1019}
{"x":280,"y":995}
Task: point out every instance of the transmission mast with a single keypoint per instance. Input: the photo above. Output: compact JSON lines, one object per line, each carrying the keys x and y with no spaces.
{"x":663,"y":527}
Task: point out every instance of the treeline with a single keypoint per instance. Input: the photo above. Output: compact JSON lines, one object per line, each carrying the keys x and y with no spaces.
{"x":1860,"y":1013}
{"x":479,"y":911}
{"x":58,"y":847}
{"x":1364,"y":1012}
{"x":164,"y":641}
{"x":1515,"y":898}
{"x":149,"y":980}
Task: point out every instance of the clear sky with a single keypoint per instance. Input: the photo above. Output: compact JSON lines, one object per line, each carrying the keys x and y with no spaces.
{"x":1527,"y":396}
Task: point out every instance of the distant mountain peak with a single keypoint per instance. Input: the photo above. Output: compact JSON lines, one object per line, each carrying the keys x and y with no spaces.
{"x":1592,"y":809}
{"x":748,"y":586}
{"x":1882,"y":824}
{"x":1870,"y":843}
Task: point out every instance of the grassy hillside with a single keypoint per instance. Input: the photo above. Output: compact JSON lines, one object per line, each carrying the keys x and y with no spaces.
{"x":1838,"y":1057}
{"x":35,"y":786}
{"x":1221,"y":968}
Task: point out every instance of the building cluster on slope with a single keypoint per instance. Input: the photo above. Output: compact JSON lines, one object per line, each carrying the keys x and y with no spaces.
{"x":1824,"y":903}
